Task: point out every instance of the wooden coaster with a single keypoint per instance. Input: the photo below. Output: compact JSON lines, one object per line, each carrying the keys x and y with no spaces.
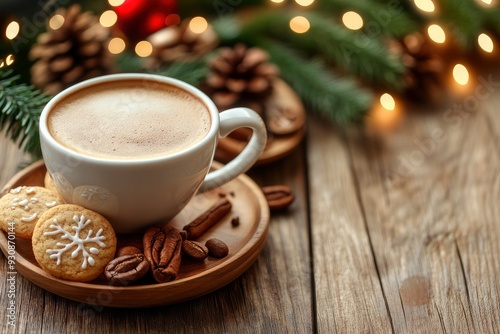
{"x":285,"y":115}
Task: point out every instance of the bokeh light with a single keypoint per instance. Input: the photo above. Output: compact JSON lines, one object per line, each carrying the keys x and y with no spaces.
{"x":299,"y":24}
{"x":352,"y":20}
{"x":198,"y":24}
{"x":304,"y":3}
{"x":425,"y":5}
{"x":116,"y":3}
{"x":461,"y":74}
{"x":143,"y":49}
{"x":108,"y":18}
{"x":12,"y":30}
{"x":56,"y":22}
{"x":485,"y":42}
{"x":436,"y":33}
{"x":9,"y":60}
{"x":116,"y":45}
{"x":387,"y":101}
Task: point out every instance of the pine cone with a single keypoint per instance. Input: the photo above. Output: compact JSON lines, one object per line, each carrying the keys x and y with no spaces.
{"x":74,"y":52}
{"x":180,"y":43}
{"x":241,"y":76}
{"x":424,"y":65}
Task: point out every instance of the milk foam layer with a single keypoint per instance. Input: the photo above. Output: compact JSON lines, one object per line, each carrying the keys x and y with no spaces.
{"x":130,"y":119}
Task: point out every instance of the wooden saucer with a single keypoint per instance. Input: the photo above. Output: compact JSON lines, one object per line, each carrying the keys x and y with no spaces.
{"x":279,"y":145}
{"x":195,"y":279}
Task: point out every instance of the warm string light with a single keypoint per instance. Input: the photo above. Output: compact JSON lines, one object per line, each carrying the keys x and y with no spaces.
{"x":56,"y":22}
{"x":352,"y":20}
{"x":198,"y":24}
{"x":116,"y":3}
{"x":12,"y":30}
{"x":425,"y":5}
{"x":387,"y":101}
{"x":108,"y":18}
{"x":385,"y":114}
{"x":304,"y":3}
{"x":277,"y":1}
{"x":143,"y":49}
{"x":485,"y":42}
{"x":436,"y":33}
{"x":299,"y":24}
{"x":461,"y":74}
{"x":486,"y":3}
{"x":9,"y":60}
{"x":116,"y":45}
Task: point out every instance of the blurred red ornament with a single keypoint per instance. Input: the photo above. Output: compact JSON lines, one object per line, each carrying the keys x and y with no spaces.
{"x":137,"y":19}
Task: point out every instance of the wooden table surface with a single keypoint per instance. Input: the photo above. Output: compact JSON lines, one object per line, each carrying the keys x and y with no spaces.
{"x":391,"y":231}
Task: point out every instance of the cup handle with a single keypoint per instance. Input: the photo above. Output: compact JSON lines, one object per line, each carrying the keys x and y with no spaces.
{"x":230,"y":120}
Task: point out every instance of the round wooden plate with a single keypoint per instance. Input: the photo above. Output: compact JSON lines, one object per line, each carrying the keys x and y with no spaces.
{"x":278,"y":146}
{"x":195,"y":279}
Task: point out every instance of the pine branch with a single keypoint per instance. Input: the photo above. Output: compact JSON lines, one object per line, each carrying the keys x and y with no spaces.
{"x":339,"y":99}
{"x":361,"y":55}
{"x":491,"y":20}
{"x":351,"y":51}
{"x":192,"y":72}
{"x":463,"y":18}
{"x":129,"y":62}
{"x":227,"y":28}
{"x":380,"y":19}
{"x":20,"y":109}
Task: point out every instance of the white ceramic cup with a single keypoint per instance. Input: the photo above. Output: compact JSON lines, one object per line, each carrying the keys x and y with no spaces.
{"x":136,"y":193}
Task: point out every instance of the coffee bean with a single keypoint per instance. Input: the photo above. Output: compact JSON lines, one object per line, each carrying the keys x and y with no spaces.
{"x":217,"y":248}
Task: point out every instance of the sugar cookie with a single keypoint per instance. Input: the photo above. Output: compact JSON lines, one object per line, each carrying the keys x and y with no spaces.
{"x":73,"y":243}
{"x":21,"y":208}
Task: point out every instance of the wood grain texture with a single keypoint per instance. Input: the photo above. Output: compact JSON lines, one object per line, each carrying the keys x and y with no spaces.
{"x":429,"y":192}
{"x":406,"y":236}
{"x":349,"y":296}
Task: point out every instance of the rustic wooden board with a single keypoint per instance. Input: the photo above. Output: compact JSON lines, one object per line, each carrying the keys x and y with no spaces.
{"x":430,"y":192}
{"x":407,"y":234}
{"x":349,"y":296}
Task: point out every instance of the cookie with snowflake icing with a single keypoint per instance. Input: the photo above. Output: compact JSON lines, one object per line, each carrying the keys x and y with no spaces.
{"x":21,"y":208}
{"x":73,"y":243}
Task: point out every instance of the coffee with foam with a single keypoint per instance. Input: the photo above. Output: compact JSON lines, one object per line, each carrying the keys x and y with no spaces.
{"x":129,"y":120}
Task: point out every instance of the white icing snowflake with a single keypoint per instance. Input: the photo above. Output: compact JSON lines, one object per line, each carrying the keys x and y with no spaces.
{"x":75,"y":240}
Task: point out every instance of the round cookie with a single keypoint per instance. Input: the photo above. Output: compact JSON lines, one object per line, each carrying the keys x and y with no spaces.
{"x":21,"y":208}
{"x":73,"y":243}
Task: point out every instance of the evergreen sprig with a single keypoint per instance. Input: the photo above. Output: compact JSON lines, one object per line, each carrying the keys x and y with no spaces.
{"x":352,"y":52}
{"x":340,"y":99}
{"x":359,"y":54}
{"x":192,"y":72}
{"x":491,"y":20}
{"x":380,"y":19}
{"x":20,"y":109}
{"x":463,"y":18}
